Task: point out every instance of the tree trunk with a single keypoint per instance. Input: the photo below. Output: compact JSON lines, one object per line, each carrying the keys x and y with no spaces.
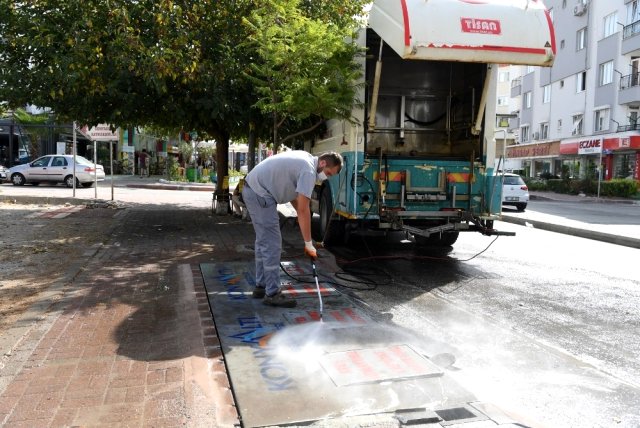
{"x":222,"y":170}
{"x":251,"y":162}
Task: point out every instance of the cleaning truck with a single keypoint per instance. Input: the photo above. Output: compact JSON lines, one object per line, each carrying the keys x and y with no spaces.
{"x":419,"y":149}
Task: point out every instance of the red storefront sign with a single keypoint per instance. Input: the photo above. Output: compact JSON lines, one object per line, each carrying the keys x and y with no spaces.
{"x":573,"y":147}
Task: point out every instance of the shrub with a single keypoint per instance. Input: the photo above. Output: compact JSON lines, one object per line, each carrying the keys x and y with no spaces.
{"x":559,"y":186}
{"x":619,"y":187}
{"x":536,"y":184}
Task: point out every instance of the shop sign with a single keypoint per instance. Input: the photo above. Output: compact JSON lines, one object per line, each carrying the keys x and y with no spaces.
{"x":586,"y":147}
{"x":102,"y":132}
{"x":528,"y":151}
{"x":625,"y":142}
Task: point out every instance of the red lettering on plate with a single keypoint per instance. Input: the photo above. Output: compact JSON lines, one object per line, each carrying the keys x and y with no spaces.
{"x":482,"y":26}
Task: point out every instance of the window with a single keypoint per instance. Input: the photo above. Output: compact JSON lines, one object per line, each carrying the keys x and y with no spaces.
{"x":527,"y":99}
{"x":502,"y":122}
{"x":503,"y":76}
{"x":633,"y":12}
{"x":610,"y":24}
{"x":577,"y":124}
{"x":562,"y":44}
{"x":503,"y":101}
{"x":606,"y":73}
{"x":546,"y":94}
{"x":581,"y":39}
{"x":581,"y":81}
{"x":633,"y":119}
{"x":524,"y":134}
{"x":530,"y":69}
{"x":559,"y":124}
{"x":601,"y":120}
{"x":544,"y":130}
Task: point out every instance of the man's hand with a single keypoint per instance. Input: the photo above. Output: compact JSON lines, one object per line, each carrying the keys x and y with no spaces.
{"x":310,"y":250}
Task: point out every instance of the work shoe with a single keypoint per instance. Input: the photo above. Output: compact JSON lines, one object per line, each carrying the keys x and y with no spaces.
{"x":258,"y":293}
{"x":279,"y":300}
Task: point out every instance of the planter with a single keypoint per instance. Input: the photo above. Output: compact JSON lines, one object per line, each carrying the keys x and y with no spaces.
{"x":192,"y":174}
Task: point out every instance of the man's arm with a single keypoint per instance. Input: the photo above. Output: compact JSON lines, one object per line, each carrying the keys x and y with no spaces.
{"x":301,"y":204}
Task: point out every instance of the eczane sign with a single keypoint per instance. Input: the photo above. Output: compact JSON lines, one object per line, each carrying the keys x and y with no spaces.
{"x":586,"y":147}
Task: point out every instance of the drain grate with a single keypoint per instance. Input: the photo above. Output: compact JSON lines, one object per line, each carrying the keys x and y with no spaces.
{"x":455,"y":414}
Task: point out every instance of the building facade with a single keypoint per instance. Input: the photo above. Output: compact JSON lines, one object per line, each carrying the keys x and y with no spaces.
{"x":580,"y":117}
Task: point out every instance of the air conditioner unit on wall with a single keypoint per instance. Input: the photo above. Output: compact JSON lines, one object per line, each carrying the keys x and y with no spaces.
{"x":536,"y":135}
{"x":579,"y":9}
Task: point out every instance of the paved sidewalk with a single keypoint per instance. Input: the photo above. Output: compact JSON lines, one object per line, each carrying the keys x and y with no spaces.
{"x":128,"y":338}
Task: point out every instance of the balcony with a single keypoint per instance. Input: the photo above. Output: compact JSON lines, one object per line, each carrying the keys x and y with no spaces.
{"x":629,"y":89}
{"x":625,"y":128}
{"x":630,"y":39}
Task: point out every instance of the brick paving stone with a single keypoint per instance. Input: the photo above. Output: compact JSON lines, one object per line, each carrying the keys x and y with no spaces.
{"x":119,"y":341}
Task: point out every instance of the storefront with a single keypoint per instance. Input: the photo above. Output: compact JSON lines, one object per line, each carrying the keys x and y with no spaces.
{"x":533,"y":160}
{"x":616,"y":156}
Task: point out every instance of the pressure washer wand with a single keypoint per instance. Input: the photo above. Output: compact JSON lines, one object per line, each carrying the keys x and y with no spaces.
{"x":315,"y":276}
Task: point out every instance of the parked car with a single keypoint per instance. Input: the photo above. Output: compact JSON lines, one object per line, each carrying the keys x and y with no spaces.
{"x":515,"y":191}
{"x":57,"y":169}
{"x":3,"y":173}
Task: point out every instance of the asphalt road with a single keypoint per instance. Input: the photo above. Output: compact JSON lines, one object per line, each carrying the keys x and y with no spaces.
{"x":542,"y":324}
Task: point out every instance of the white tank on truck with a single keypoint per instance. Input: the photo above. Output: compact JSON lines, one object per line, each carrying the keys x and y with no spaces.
{"x":420,"y":151}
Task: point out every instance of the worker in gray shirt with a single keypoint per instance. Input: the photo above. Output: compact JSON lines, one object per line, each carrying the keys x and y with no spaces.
{"x":285,"y":177}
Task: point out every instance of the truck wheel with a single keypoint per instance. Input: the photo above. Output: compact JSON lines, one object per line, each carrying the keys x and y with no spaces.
{"x":446,"y":239}
{"x":336,"y":230}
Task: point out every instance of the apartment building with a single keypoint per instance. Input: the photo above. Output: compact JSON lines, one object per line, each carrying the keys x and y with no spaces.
{"x":581,"y":115}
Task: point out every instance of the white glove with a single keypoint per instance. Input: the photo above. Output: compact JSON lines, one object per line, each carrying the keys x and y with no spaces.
{"x":310,"y":250}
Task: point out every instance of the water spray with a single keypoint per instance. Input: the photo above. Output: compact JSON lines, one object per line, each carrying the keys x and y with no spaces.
{"x":315,"y":276}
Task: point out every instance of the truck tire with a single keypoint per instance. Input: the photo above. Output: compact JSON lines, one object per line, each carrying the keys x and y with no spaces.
{"x":336,"y":231}
{"x":446,"y":239}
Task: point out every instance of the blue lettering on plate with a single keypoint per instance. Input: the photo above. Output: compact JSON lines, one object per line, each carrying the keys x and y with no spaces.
{"x":273,"y":371}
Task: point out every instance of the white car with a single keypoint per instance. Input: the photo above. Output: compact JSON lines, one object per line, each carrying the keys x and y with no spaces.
{"x":515,"y":191}
{"x":57,"y":169}
{"x":3,"y":173}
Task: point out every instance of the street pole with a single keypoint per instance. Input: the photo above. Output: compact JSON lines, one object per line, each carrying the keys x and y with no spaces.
{"x":74,"y":159}
{"x":111,"y":163}
{"x":95,"y":169}
{"x":600,"y":167}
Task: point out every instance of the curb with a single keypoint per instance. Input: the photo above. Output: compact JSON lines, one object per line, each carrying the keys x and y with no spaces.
{"x":172,"y":187}
{"x":48,"y":200}
{"x":581,"y":233}
{"x":582,"y":199}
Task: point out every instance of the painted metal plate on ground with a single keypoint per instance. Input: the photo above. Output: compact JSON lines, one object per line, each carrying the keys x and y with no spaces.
{"x":285,"y":365}
{"x":359,"y":366}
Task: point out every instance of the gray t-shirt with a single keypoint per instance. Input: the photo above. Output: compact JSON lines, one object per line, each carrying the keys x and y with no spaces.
{"x":284,"y":175}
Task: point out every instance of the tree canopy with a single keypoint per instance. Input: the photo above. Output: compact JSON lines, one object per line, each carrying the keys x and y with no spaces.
{"x":212,"y":66}
{"x":305,"y":67}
